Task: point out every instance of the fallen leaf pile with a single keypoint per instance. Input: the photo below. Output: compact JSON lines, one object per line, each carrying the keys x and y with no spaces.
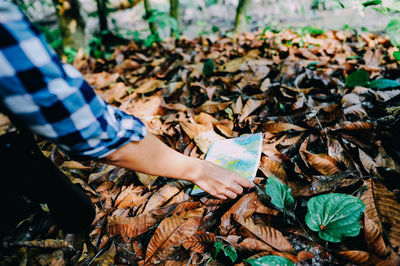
{"x":321,"y":135}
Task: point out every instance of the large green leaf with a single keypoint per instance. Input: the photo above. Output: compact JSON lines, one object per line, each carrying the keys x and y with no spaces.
{"x":357,"y":78}
{"x":393,"y":30}
{"x":383,"y":83}
{"x":335,"y":216}
{"x":279,"y":193}
{"x":271,"y":260}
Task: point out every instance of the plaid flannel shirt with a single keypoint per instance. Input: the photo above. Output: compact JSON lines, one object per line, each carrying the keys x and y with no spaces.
{"x":52,"y":98}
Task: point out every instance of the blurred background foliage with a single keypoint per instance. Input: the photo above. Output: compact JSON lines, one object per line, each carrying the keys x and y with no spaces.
{"x":97,"y":25}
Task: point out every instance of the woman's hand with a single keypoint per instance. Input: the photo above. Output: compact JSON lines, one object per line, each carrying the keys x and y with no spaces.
{"x":219,"y":182}
{"x":151,"y":156}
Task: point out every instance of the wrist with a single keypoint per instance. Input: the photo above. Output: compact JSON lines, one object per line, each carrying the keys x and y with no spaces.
{"x":193,"y":170}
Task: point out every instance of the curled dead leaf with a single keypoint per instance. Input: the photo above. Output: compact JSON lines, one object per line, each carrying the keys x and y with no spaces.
{"x":322,"y":163}
{"x":244,"y":207}
{"x":268,"y":234}
{"x":281,"y":127}
{"x":212,"y":107}
{"x":382,"y":207}
{"x":171,"y":233}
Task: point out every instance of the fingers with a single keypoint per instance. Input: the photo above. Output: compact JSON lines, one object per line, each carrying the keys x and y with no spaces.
{"x":244,"y":182}
{"x":237,"y":189}
{"x":230,"y":194}
{"x":221,"y":197}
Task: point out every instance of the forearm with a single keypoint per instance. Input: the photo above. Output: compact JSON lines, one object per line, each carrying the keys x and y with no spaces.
{"x":152,"y":156}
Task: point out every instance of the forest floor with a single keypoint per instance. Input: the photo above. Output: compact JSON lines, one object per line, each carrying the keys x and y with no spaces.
{"x":328,"y":107}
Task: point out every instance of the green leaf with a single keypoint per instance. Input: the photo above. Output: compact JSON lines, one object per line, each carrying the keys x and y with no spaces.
{"x":393,"y":30}
{"x":334,"y":216}
{"x":230,"y":113}
{"x":270,"y":260}
{"x":279,"y":193}
{"x":340,"y":3}
{"x":396,"y":55}
{"x":312,"y":30}
{"x":218,"y":247}
{"x":150,"y":40}
{"x":208,"y":67}
{"x":231,"y":253}
{"x":372,"y":3}
{"x":357,"y":78}
{"x":383,"y":83}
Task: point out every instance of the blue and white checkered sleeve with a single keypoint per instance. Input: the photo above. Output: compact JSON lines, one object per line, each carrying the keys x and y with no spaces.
{"x":53,"y":99}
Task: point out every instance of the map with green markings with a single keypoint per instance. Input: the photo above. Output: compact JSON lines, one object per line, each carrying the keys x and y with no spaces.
{"x":241,"y":155}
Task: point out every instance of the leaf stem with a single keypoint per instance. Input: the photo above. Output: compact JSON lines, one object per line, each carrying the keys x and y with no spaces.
{"x":312,"y":243}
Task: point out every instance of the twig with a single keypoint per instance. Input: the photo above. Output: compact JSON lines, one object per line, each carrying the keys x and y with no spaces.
{"x":312,"y":244}
{"x":95,"y":257}
{"x":191,"y":257}
{"x":302,"y":227}
{"x":124,"y":249}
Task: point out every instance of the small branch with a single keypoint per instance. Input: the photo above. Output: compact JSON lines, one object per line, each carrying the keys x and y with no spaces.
{"x":191,"y":257}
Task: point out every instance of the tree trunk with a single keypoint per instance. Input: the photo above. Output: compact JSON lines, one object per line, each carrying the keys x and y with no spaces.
{"x":102,"y":14}
{"x":149,"y":12}
{"x":71,"y":23}
{"x":241,"y":20}
{"x":174,"y":12}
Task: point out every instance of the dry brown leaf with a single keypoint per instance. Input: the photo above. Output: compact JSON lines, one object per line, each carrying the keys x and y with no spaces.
{"x":131,"y":201}
{"x":382,"y":207}
{"x":367,"y":162}
{"x":101,"y":176}
{"x":130,"y":226}
{"x":361,"y":257}
{"x":205,"y":119}
{"x":47,"y":243}
{"x":244,"y":207}
{"x":171,"y":233}
{"x":185,"y":206}
{"x":124,"y":193}
{"x":192,"y":129}
{"x":374,"y":238}
{"x":270,"y":167}
{"x":150,"y":86}
{"x":354,"y":126}
{"x":147,"y":180}
{"x":250,"y":106}
{"x":54,"y":258}
{"x":225,"y":130}
{"x":252,"y":244}
{"x":198,"y":242}
{"x":106,"y":185}
{"x":268,"y":234}
{"x":163,"y":194}
{"x":212,"y":107}
{"x":237,"y":106}
{"x":322,"y":163}
{"x":107,"y":258}
{"x":181,"y":197}
{"x":74,"y":165}
{"x":281,"y":127}
{"x":204,"y":139}
{"x":356,"y":110}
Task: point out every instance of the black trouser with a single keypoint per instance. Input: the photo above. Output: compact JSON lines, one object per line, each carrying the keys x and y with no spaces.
{"x":26,"y":172}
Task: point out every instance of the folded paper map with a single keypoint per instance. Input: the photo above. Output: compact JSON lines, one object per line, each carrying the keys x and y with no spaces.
{"x":241,"y":155}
